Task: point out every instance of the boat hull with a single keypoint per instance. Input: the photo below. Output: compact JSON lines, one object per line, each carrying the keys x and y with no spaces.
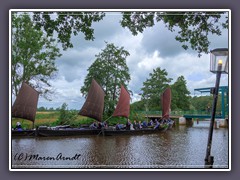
{"x":67,"y":132}
{"x":80,"y":132}
{"x":23,"y":133}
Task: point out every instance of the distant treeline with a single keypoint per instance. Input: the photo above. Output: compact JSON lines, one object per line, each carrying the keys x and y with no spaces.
{"x":200,"y":103}
{"x":52,"y":109}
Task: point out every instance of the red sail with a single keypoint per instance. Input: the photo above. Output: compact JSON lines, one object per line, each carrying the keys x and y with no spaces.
{"x":25,"y":105}
{"x":166,"y":103}
{"x":123,"y":105}
{"x":94,"y":104}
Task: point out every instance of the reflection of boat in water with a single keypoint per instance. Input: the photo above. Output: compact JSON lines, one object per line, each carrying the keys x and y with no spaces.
{"x":134,"y":132}
{"x":25,"y":107}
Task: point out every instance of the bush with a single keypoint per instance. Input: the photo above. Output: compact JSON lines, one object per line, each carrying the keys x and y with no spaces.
{"x":66,"y":116}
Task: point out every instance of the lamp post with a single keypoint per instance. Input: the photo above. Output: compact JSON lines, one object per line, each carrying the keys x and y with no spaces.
{"x":218,"y":65}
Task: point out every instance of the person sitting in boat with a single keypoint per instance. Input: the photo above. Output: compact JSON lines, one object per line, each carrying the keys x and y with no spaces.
{"x":93,"y":125}
{"x":150,"y":123}
{"x":128,"y":124}
{"x":131,"y":127}
{"x":139,"y":125}
{"x":144,"y":124}
{"x":118,"y":127}
{"x":99,"y":125}
{"x":164,"y":121}
{"x":105,"y":125}
{"x":157,"y":125}
{"x":135,"y":125}
{"x":18,"y":126}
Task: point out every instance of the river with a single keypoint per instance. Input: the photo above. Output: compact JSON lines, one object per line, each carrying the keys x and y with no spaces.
{"x":180,"y":147}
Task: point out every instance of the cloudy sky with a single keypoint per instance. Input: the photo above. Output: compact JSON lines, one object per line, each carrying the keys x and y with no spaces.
{"x":155,"y":47}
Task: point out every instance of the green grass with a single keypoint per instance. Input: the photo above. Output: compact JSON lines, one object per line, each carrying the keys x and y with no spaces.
{"x":50,"y":118}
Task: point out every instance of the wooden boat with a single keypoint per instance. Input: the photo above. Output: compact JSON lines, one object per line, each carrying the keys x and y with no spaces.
{"x":93,"y":108}
{"x":123,"y":110}
{"x":23,"y":133}
{"x":25,"y":107}
{"x":66,"y":132}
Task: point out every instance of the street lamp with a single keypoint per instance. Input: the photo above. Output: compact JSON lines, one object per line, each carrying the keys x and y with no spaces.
{"x":218,"y":65}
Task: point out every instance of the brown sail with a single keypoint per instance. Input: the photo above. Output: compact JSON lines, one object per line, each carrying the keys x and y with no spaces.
{"x":166,"y":103}
{"x":25,"y":105}
{"x":94,"y":104}
{"x":123,"y":105}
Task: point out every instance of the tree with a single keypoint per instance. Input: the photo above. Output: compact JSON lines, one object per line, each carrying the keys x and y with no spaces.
{"x":180,"y":94}
{"x":66,"y":116}
{"x":66,"y":24}
{"x":193,"y":27}
{"x":110,"y":71}
{"x":51,"y":109}
{"x":33,"y":56}
{"x":202,"y":103}
{"x":137,"y":106}
{"x":154,"y":87}
{"x":41,"y":108}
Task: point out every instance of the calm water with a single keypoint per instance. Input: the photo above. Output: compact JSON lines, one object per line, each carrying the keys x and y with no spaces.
{"x":181,"y":147}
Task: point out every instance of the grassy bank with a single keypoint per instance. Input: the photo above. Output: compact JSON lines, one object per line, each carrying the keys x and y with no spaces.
{"x":51,"y":118}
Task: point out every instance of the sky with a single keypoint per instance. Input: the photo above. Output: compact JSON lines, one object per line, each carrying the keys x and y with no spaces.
{"x":155,"y":47}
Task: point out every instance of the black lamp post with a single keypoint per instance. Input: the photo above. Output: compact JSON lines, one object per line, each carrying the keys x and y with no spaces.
{"x":218,"y":65}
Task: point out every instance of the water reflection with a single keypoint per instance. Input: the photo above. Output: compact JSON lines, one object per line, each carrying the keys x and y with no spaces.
{"x":182,"y":147}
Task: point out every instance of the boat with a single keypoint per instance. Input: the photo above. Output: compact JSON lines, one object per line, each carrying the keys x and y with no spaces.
{"x":123,"y":110}
{"x":93,"y":108}
{"x":25,"y":107}
{"x":24,"y":133}
{"x":65,"y":131}
{"x":166,"y":107}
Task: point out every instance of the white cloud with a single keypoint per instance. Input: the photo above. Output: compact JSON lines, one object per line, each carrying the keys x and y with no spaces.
{"x":155,"y":47}
{"x":149,"y":63}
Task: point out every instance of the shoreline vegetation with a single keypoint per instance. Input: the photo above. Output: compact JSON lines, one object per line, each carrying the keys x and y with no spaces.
{"x":52,"y":118}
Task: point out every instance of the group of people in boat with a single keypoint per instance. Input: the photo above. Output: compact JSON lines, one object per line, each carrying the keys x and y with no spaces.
{"x":140,"y":125}
{"x":98,"y":125}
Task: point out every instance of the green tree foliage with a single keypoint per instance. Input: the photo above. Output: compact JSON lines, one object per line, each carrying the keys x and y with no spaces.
{"x":180,"y":95}
{"x":66,"y":116}
{"x":154,"y":87}
{"x":110,"y":71}
{"x":65,"y":24}
{"x":33,"y":56}
{"x":193,"y":27}
{"x":202,"y":102}
{"x":137,"y":106}
{"x":42,"y":108}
